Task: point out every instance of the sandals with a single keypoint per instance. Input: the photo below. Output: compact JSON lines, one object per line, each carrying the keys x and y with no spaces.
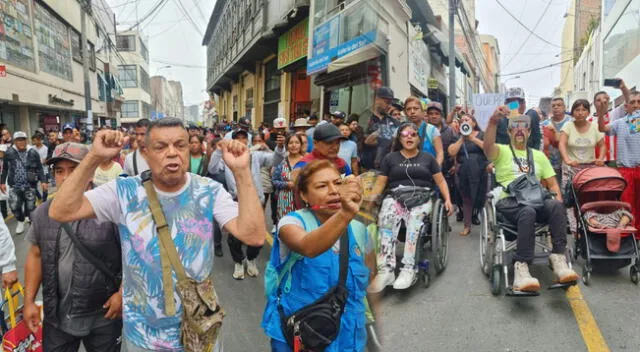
{"x":465,"y":232}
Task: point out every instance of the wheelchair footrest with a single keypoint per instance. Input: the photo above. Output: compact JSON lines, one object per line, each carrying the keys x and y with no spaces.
{"x":562,"y":285}
{"x":514,"y":293}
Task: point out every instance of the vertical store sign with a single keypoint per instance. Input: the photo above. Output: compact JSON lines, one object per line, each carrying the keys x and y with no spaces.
{"x":419,"y":66}
{"x":292,"y":45}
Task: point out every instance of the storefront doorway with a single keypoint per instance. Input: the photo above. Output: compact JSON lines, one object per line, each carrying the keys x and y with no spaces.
{"x":300,"y":93}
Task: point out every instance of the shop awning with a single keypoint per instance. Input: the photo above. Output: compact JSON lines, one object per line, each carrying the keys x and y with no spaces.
{"x":362,"y":55}
{"x":436,"y":38}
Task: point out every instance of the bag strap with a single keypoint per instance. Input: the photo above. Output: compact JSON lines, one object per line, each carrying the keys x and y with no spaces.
{"x":168,"y":254}
{"x":532,"y":166}
{"x":135,"y":162}
{"x":86,"y":253}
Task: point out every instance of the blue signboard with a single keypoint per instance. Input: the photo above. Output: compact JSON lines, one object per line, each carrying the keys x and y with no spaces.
{"x":325,"y":36}
{"x":320,"y":61}
{"x":157,"y":115}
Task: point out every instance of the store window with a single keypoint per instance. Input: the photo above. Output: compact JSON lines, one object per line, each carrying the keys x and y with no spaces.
{"x":271,"y":91}
{"x":54,"y":51}
{"x":16,"y":38}
{"x":129,"y":109}
{"x":622,"y":44}
{"x":127,"y":75}
{"x":144,"y":81}
{"x":144,"y":52}
{"x":126,"y":42}
{"x":146,"y":110}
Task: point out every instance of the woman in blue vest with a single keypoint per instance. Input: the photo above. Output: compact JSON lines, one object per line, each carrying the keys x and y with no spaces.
{"x":312,"y":236}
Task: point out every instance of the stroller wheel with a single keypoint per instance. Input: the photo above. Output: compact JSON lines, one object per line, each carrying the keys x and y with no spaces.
{"x":586,"y":276}
{"x":635,"y":275}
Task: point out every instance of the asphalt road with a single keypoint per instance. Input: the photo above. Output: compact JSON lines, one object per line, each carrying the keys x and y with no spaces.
{"x":457,"y":312}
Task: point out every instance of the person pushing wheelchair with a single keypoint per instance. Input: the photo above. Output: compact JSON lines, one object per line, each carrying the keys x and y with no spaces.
{"x":522,"y":171}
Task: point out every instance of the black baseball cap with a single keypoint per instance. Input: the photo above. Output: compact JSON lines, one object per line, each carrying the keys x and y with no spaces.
{"x":326,"y":132}
{"x":244,"y":123}
{"x":338,"y":114}
{"x":384,"y":93}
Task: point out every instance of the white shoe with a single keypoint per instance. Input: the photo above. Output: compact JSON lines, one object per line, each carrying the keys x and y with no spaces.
{"x":405,"y":279}
{"x":20,"y":227}
{"x":274,"y":229}
{"x":561,"y":268}
{"x":522,"y":279}
{"x":384,"y":278}
{"x":27,"y":220}
{"x":238,"y":272}
{"x":252,"y":268}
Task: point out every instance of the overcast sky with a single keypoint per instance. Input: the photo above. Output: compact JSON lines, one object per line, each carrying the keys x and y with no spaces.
{"x":535,"y":53}
{"x":173,"y":39}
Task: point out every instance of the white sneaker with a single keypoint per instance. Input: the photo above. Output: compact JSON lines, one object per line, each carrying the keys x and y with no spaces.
{"x":27,"y":220}
{"x":384,"y":278}
{"x":20,"y":227}
{"x":405,"y":279}
{"x":238,"y":272}
{"x":561,"y":268}
{"x":522,"y":279}
{"x":252,"y":268}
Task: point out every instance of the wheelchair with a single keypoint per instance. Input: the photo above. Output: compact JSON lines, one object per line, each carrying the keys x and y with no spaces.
{"x":498,"y":239}
{"x":433,"y":240}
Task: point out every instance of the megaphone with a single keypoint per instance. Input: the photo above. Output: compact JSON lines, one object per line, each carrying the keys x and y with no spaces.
{"x":465,"y":129}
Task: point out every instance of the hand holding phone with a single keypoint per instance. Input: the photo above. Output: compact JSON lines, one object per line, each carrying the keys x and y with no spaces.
{"x":612,"y":82}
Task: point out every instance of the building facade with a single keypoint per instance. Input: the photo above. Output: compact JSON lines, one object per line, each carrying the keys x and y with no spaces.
{"x":621,"y":44}
{"x":581,"y":18}
{"x":134,"y":77}
{"x":351,"y":53}
{"x":587,"y":71}
{"x":491,"y":53}
{"x":166,"y":98}
{"x":192,"y":114}
{"x":42,"y":84}
{"x":248,"y":73}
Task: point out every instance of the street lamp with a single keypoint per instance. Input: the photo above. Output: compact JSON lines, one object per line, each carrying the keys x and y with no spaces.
{"x":163,"y":67}
{"x":510,"y":79}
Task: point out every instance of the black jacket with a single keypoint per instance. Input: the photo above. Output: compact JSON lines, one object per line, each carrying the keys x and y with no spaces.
{"x":11,"y":158}
{"x":91,"y":288}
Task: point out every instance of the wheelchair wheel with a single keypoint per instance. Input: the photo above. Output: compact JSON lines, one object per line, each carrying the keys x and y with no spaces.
{"x":496,"y":279}
{"x":439,"y":235}
{"x":486,"y":250}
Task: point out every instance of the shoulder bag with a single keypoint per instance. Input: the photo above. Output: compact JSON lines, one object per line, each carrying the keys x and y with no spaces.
{"x":315,"y":326}
{"x":526,"y":189}
{"x":201,"y":314}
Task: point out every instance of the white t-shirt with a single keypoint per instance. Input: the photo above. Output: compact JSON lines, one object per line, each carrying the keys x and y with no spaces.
{"x":141,"y":163}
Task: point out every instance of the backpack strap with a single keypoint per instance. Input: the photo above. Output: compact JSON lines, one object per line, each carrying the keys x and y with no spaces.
{"x":135,"y":162}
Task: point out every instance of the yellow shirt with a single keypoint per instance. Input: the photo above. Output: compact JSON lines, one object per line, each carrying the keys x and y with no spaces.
{"x":581,"y":147}
{"x":103,"y":176}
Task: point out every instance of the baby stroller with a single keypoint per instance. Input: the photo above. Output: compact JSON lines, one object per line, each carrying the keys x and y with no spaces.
{"x":599,"y":189}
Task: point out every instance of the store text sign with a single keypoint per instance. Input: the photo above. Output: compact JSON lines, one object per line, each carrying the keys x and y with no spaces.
{"x":292,"y":45}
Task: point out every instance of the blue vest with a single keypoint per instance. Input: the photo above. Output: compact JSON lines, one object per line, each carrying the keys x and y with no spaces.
{"x":311,"y":278}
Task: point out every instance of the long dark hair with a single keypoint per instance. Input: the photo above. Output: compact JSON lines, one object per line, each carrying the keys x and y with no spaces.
{"x":397,"y":145}
{"x":293,"y":135}
{"x":473,"y":118}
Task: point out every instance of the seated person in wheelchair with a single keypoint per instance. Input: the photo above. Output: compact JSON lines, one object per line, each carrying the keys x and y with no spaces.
{"x":406,"y":172}
{"x":511,"y":163}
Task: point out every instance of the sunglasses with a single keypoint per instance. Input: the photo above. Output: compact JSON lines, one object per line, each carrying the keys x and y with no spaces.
{"x":408,"y":134}
{"x":519,"y":125}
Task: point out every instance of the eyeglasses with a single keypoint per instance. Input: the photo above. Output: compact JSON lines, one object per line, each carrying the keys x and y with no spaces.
{"x":518,"y":125}
{"x":408,"y":134}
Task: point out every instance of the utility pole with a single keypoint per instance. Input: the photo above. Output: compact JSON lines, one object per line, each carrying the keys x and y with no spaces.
{"x":85,"y":7}
{"x":453,"y":7}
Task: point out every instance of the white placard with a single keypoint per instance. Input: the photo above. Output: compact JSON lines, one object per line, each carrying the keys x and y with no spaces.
{"x":485,"y":105}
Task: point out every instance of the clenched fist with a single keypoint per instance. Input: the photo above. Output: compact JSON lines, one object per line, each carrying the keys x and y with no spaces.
{"x":107,"y":144}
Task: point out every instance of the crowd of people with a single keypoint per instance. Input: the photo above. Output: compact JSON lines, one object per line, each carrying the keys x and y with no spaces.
{"x":116,"y":198}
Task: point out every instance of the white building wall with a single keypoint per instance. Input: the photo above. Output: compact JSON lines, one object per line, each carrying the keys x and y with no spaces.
{"x":586,"y":73}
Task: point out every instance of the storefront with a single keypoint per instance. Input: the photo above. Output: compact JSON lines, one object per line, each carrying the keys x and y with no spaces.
{"x":292,"y":58}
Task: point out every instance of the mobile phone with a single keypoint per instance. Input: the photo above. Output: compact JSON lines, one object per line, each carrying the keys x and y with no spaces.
{"x":612,"y":82}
